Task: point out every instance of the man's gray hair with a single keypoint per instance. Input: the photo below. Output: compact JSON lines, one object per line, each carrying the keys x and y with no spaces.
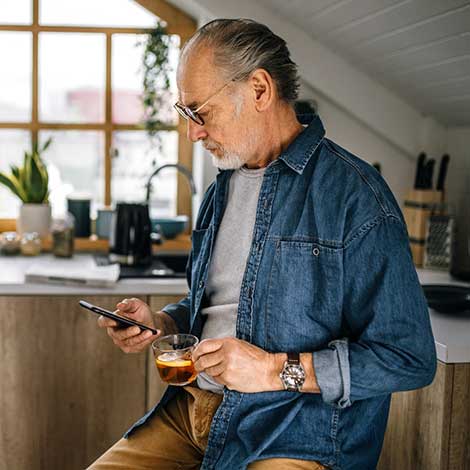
{"x":242,"y":46}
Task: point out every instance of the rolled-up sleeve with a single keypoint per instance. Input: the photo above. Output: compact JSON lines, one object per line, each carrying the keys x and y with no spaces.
{"x":180,"y":313}
{"x":332,"y":373}
{"x":390,"y":345}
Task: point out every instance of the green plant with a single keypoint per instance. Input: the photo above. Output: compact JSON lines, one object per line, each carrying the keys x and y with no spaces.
{"x":30,"y":182}
{"x":156,"y":70}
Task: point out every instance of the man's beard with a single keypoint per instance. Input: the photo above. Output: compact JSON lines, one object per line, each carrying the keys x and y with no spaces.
{"x":228,"y":161}
{"x":233,"y":160}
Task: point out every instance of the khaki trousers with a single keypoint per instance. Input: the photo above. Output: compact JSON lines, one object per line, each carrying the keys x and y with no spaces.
{"x":175,"y":438}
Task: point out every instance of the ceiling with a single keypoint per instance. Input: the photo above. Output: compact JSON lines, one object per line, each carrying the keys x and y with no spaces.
{"x":418,"y":48}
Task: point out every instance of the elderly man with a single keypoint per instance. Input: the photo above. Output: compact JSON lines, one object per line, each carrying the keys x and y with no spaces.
{"x":302,"y":287}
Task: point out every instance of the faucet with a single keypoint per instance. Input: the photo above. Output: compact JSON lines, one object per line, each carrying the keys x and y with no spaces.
{"x":180,"y":168}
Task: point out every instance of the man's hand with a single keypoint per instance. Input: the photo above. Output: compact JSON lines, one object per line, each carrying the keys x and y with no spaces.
{"x":238,"y":365}
{"x":132,"y":339}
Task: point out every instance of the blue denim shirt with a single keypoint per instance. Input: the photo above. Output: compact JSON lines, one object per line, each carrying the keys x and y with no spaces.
{"x":329,"y":272}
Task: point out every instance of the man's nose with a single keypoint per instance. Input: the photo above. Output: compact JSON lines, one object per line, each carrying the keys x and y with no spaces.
{"x":195,"y":132}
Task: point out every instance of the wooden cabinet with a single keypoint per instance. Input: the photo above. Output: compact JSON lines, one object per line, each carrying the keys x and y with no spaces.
{"x":429,"y":429}
{"x":66,"y":392}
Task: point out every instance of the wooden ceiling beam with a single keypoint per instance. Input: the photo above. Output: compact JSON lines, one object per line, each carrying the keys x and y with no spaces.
{"x":178,"y":21}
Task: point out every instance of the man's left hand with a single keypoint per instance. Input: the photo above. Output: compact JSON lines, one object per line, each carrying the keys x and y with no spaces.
{"x":238,"y":365}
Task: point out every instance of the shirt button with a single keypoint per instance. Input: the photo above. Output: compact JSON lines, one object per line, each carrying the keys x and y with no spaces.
{"x":316,"y":251}
{"x":201,"y":284}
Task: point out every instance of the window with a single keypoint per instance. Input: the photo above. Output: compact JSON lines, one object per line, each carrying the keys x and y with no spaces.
{"x":71,"y":71}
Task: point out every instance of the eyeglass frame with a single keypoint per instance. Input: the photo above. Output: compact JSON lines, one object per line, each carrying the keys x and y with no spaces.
{"x":187,"y":113}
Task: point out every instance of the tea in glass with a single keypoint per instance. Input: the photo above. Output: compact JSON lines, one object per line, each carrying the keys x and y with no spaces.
{"x":173,"y":358}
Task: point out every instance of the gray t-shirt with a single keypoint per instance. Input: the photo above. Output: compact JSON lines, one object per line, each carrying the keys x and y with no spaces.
{"x":228,"y":262}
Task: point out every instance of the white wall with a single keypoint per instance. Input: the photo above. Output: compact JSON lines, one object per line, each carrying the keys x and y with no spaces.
{"x":458,"y":188}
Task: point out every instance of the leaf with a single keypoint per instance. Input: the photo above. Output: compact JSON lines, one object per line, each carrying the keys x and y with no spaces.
{"x":27,"y":176}
{"x":36,"y":180}
{"x":12,"y":183}
{"x":48,"y":142}
{"x":15,"y":171}
{"x":45,"y":179}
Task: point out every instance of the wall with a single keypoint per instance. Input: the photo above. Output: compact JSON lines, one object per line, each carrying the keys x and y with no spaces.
{"x":458,"y":188}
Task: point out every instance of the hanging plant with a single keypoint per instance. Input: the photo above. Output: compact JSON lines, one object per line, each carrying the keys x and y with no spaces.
{"x":156,"y":69}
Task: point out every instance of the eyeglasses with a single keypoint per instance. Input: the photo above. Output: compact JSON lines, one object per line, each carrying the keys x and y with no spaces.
{"x":192,"y":114}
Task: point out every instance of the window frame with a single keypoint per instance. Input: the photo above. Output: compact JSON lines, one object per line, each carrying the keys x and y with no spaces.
{"x":178,"y":23}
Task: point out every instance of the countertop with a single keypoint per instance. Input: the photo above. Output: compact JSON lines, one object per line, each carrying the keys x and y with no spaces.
{"x":12,"y":269}
{"x":451,"y":332}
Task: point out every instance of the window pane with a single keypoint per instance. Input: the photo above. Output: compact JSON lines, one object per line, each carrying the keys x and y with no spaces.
{"x":127,"y":77}
{"x":72,"y":70}
{"x":125,"y":13}
{"x":15,"y":79}
{"x":16,"y":12}
{"x":136,"y":159}
{"x":12,"y":145}
{"x":76,"y":164}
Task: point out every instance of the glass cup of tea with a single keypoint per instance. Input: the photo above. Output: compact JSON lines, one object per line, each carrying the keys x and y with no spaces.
{"x":173,"y":358}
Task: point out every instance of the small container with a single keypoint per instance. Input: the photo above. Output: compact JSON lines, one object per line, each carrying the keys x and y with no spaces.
{"x":10,"y":243}
{"x":79,"y":206}
{"x":103,"y":223}
{"x":63,"y":237}
{"x":30,"y":244}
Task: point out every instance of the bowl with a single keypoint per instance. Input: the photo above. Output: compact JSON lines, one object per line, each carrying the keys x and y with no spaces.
{"x":170,"y":227}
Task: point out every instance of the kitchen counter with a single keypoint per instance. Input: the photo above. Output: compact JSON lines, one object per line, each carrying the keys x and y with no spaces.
{"x":12,"y":269}
{"x":451,"y":332}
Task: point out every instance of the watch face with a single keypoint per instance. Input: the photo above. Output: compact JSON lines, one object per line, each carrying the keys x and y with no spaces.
{"x":293,"y":376}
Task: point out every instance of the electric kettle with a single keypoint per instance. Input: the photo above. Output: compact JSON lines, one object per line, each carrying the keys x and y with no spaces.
{"x":129,"y":241}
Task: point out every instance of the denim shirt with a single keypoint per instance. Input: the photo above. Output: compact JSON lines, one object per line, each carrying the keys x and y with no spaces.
{"x":329,"y":272}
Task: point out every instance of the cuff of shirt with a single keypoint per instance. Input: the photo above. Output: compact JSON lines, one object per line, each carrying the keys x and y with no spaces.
{"x":332,"y":373}
{"x":180,"y":315}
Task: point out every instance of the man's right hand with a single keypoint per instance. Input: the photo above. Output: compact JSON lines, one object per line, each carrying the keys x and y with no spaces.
{"x":132,"y":339}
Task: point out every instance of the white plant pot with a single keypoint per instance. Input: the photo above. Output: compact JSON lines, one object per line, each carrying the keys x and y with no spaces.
{"x":35,"y":218}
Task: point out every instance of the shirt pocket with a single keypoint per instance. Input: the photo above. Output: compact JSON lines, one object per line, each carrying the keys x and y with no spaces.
{"x":304,"y":301}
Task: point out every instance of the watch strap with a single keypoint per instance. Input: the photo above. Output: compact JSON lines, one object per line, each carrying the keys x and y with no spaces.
{"x":293,"y":358}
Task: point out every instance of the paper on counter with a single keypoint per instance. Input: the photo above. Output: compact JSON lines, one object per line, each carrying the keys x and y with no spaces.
{"x":74,"y":272}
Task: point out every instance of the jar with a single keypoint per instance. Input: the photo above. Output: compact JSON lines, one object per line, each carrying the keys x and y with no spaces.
{"x":30,"y":244}
{"x":9,"y":243}
{"x":63,"y":237}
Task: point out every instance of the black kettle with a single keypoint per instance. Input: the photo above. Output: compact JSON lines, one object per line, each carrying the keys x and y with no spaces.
{"x":129,"y":241}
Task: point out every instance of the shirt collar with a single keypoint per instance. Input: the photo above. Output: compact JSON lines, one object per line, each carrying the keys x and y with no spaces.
{"x":301,"y":149}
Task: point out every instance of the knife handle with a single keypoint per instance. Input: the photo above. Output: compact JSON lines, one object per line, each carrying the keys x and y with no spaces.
{"x":419,"y":179}
{"x":442,"y":172}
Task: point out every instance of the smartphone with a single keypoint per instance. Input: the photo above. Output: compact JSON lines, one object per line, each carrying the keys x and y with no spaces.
{"x":122,"y":321}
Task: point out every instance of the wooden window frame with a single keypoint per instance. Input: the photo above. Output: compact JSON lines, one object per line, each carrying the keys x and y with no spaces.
{"x":178,"y":23}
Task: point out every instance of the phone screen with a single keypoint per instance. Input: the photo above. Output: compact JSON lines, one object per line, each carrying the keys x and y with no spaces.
{"x":125,"y":322}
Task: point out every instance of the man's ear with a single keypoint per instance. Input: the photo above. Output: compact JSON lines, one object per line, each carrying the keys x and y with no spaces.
{"x":263,"y":89}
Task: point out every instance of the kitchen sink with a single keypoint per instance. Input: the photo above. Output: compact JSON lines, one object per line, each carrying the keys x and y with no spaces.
{"x":165,"y":265}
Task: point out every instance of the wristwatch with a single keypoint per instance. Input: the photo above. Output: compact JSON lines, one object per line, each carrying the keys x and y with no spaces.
{"x":293,"y":373}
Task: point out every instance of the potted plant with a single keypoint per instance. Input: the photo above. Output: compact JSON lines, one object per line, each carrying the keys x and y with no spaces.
{"x":30,"y":184}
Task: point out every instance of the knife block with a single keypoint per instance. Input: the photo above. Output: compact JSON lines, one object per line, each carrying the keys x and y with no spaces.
{"x":418,"y":205}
